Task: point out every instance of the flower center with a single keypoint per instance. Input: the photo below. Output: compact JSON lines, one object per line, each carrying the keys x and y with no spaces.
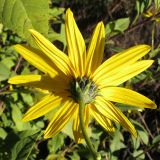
{"x":83,"y":89}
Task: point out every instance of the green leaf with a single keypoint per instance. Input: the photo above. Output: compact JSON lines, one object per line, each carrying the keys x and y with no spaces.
{"x":144,"y":136}
{"x":3,"y":133}
{"x":139,"y":155}
{"x":121,"y":24}
{"x":141,"y":77}
{"x":4,"y":72}
{"x":8,"y":62}
{"x":23,"y":148}
{"x":156,"y":139}
{"x":21,"y":15}
{"x":1,"y":27}
{"x":141,"y":132}
{"x":27,"y":98}
{"x":59,"y":36}
{"x":17,"y":118}
{"x":74,"y":156}
{"x":157,"y":4}
{"x":56,"y":11}
{"x":117,"y":26}
{"x":136,"y":142}
{"x":117,"y":142}
{"x":140,"y":7}
{"x":56,"y":143}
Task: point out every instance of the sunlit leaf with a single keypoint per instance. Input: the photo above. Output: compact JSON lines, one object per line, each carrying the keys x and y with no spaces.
{"x":17,"y":118}
{"x":4,"y":72}
{"x":21,"y":15}
{"x":117,"y":26}
{"x":3,"y":133}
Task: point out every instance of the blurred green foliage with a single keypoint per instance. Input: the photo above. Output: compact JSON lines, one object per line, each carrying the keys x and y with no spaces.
{"x":125,"y":26}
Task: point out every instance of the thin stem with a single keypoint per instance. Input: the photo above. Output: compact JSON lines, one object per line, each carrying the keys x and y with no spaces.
{"x":153,"y":34}
{"x":85,"y":135}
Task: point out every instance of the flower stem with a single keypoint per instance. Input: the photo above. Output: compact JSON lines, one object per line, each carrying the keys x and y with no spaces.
{"x":84,"y":132}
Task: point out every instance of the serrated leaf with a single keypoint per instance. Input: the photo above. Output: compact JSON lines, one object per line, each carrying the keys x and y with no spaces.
{"x":117,"y":142}
{"x":21,"y":15}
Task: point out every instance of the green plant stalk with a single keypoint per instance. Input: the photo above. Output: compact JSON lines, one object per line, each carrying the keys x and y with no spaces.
{"x":84,"y":132}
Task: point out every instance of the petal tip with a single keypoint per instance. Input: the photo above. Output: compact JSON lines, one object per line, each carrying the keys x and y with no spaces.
{"x":152,"y":105}
{"x":135,"y":134}
{"x":101,"y":23}
{"x":10,"y":81}
{"x":17,"y":47}
{"x":32,"y":31}
{"x":150,"y":62}
{"x":147,"y":47}
{"x":46,"y":136}
{"x":69,"y":12}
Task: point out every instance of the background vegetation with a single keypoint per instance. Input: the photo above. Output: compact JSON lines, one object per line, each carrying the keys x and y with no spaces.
{"x":127,"y":23}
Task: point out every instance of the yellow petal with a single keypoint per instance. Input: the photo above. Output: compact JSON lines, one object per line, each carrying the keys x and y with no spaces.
{"x":95,"y":49}
{"x":76,"y":44}
{"x":42,"y":82}
{"x":118,"y":76}
{"x":77,"y":132}
{"x":124,"y":58}
{"x":102,"y":120}
{"x":57,"y":57}
{"x":22,"y":79}
{"x":37,"y":59}
{"x":114,"y":114}
{"x":48,"y":103}
{"x":126,"y":96}
{"x":60,"y":118}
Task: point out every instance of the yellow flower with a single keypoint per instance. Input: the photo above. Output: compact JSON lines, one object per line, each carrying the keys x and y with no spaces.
{"x":65,"y":75}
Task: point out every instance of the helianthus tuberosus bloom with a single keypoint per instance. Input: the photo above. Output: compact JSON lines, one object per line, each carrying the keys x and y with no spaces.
{"x":82,"y":70}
